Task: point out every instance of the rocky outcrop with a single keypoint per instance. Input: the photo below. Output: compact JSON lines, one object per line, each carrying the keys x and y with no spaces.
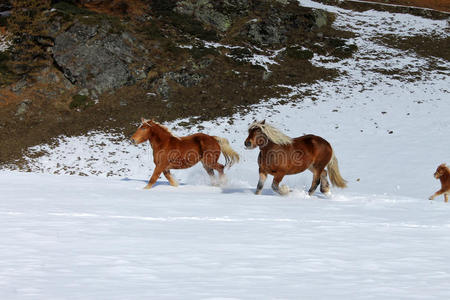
{"x":218,"y":14}
{"x":276,"y":22}
{"x":94,"y":58}
{"x":187,"y":77}
{"x":270,"y":22}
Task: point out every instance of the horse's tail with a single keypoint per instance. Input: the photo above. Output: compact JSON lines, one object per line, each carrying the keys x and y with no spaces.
{"x":231,"y":157}
{"x":334,"y":174}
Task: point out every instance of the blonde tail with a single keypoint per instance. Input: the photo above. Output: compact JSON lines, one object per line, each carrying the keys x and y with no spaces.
{"x":334,"y":174}
{"x":231,"y":157}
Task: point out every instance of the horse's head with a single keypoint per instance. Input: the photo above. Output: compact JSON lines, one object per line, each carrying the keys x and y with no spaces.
{"x":256,"y":137}
{"x":441,"y":170}
{"x":142,"y":134}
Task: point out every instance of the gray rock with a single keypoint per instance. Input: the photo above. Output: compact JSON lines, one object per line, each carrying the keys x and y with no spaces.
{"x":84,"y":92}
{"x":94,"y":58}
{"x":183,"y":78}
{"x":16,"y":88}
{"x":280,"y":20}
{"x":23,"y":107}
{"x":163,"y":88}
{"x":266,"y":33}
{"x":205,"y":12}
{"x":320,"y":18}
{"x":186,"y":78}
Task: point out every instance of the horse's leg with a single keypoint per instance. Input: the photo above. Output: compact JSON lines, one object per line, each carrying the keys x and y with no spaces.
{"x":324,"y":184}
{"x":261,"y":181}
{"x":219,"y":168}
{"x":315,"y":181}
{"x":169,"y":177}
{"x":446,"y":197}
{"x":210,"y":172}
{"x":158,"y":170}
{"x":283,"y":190}
{"x":438,"y":193}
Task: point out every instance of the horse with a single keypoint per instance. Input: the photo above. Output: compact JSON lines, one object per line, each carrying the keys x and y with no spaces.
{"x":173,"y":152}
{"x":443,"y":174}
{"x":281,"y":155}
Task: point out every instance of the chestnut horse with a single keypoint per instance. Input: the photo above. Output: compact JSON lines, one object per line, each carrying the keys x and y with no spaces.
{"x":443,"y":174}
{"x":172,"y":152}
{"x":281,"y":155}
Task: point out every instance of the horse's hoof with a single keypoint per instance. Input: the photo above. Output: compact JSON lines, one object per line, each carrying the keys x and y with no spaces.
{"x":147,"y":187}
{"x":284,"y":190}
{"x":258,"y":193}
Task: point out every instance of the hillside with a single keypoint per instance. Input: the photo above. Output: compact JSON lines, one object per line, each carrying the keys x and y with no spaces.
{"x":163,"y":59}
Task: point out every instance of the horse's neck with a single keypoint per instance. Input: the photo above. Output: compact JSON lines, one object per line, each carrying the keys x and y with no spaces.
{"x":158,"y":135}
{"x":445,"y":177}
{"x":268,"y":145}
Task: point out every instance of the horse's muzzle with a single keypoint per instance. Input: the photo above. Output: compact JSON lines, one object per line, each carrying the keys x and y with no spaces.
{"x":248,"y":144}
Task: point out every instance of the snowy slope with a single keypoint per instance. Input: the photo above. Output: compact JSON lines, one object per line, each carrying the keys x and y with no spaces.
{"x":69,"y":237}
{"x":103,"y":237}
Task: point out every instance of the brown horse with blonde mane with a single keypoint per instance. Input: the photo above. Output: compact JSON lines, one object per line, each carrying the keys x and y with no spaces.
{"x":281,"y":155}
{"x":173,"y":152}
{"x":443,"y":174}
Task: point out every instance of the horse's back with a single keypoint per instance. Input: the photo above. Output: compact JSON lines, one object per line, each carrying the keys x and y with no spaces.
{"x":318,"y":149}
{"x":311,"y":142}
{"x":205,"y":141}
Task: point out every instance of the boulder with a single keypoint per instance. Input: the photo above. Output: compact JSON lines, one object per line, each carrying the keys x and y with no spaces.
{"x":93,"y":57}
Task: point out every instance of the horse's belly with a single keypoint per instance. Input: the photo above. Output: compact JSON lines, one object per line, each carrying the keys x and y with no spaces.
{"x":286,"y":167}
{"x":182,"y":164}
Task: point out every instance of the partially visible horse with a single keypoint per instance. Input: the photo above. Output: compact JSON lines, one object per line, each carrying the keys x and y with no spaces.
{"x":173,"y":152}
{"x":443,"y":174}
{"x":281,"y":155}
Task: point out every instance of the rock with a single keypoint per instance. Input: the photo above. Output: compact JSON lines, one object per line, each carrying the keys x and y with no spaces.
{"x":279,"y":20}
{"x":163,"y":88}
{"x":23,"y":107}
{"x":205,"y":12}
{"x":93,"y":57}
{"x":218,"y":14}
{"x":183,"y":78}
{"x":186,"y":78}
{"x":17,"y":88}
{"x":320,"y":18}
{"x":266,"y":33}
{"x":84,"y":92}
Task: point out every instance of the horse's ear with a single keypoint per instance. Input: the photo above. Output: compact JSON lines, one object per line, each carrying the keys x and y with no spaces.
{"x":263,"y":122}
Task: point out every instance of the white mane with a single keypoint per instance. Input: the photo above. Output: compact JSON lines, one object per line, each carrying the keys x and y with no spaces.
{"x":162,"y":126}
{"x":272,"y":133}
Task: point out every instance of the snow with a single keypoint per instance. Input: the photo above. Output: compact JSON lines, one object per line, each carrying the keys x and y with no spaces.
{"x":264,"y":60}
{"x":4,"y":44}
{"x":103,"y":237}
{"x":68,"y":237}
